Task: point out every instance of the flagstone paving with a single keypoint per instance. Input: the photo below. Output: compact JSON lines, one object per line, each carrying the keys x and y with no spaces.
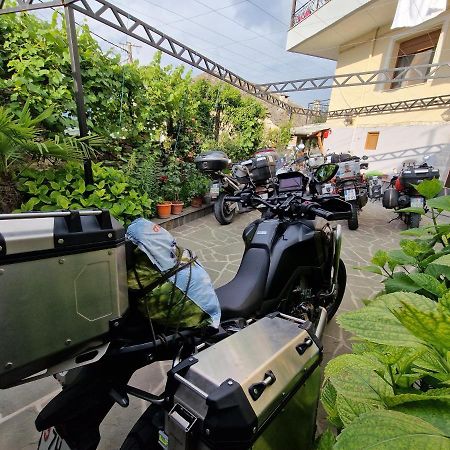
{"x":219,"y":248}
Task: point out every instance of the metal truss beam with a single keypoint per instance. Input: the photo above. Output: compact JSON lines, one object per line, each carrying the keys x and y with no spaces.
{"x":411,"y":73}
{"x":404,"y":105}
{"x":30,"y":5}
{"x":122,"y":21}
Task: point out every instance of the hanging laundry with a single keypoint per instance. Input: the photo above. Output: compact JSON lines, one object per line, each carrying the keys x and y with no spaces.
{"x":414,"y":12}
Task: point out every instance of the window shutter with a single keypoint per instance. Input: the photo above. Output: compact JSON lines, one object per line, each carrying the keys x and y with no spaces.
{"x":372,"y":140}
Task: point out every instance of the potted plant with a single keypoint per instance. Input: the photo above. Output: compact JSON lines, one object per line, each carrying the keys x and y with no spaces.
{"x":163,"y":208}
{"x":198,"y":185}
{"x":172,"y":187}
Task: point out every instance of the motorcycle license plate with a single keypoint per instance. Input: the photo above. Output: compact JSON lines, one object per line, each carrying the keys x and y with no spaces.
{"x":416,"y":202}
{"x":214,"y":191}
{"x":349,"y":194}
{"x":51,"y":440}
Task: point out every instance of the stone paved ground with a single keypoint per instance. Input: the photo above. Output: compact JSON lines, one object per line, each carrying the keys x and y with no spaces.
{"x":220,"y":249}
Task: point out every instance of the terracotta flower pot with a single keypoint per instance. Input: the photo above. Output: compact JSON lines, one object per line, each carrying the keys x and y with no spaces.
{"x":163,"y":210}
{"x":177,"y":207}
{"x":196,"y":202}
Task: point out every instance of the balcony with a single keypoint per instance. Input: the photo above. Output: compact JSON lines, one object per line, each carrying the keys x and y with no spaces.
{"x":303,"y":12}
{"x":321,"y":27}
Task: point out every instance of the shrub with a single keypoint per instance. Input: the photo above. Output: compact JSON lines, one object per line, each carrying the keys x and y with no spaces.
{"x":65,"y":188}
{"x":393,"y":390}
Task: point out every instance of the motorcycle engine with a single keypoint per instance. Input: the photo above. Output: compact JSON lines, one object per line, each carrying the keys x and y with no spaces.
{"x":403,"y":201}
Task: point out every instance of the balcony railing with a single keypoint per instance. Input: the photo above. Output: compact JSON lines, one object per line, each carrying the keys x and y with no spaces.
{"x":309,"y":8}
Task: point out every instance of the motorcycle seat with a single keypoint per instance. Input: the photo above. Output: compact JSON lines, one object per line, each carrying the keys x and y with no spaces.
{"x":242,"y":295}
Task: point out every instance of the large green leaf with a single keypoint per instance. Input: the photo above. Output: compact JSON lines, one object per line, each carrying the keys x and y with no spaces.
{"x":325,"y":441}
{"x":377,"y":323}
{"x":414,"y":248}
{"x":429,"y":188}
{"x":400,"y":282}
{"x":434,"y":410}
{"x":328,"y":396}
{"x":349,"y":408}
{"x":412,"y":209}
{"x":373,"y":269}
{"x":401,"y":258}
{"x":391,"y":430}
{"x":380,"y":258}
{"x":429,"y":283}
{"x":399,"y":399}
{"x":440,"y":266}
{"x":432,"y":326}
{"x":431,"y":363}
{"x":441,"y":203}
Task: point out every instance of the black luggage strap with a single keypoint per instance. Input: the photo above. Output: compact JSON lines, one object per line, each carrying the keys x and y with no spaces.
{"x":170,"y":273}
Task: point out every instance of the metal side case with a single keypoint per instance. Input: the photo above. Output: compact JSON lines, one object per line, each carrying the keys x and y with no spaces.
{"x":62,"y":280}
{"x":257,"y":388}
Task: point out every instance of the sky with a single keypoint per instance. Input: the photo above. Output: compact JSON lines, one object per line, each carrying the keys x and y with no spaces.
{"x":247,"y":37}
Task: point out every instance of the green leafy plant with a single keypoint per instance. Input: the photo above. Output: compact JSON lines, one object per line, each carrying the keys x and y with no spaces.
{"x":393,"y":391}
{"x":50,"y":190}
{"x":20,"y":141}
{"x":416,"y":266}
{"x":399,"y":369}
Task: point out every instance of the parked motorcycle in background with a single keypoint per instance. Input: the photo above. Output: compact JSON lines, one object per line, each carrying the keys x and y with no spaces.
{"x":351,"y":184}
{"x":255,"y":174}
{"x":402,"y":194}
{"x":375,"y":187}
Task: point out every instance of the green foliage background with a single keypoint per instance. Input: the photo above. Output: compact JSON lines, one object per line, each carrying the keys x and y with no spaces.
{"x":147,"y":116}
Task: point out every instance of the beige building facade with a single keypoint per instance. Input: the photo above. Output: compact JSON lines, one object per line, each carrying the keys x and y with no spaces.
{"x":358,"y":35}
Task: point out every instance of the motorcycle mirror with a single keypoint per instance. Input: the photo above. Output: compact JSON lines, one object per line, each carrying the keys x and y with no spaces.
{"x":326,"y":172}
{"x":365,"y":157}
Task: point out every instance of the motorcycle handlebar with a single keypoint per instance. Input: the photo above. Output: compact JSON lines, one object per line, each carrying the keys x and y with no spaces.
{"x":327,"y":215}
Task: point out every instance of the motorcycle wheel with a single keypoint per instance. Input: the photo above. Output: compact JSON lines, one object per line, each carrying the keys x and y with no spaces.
{"x":353,"y":222}
{"x":222,"y":211}
{"x":145,"y":433}
{"x":341,"y":283}
{"x":413,"y":220}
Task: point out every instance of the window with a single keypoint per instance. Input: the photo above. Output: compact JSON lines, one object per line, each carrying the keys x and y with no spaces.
{"x":414,"y":52}
{"x":372,"y":140}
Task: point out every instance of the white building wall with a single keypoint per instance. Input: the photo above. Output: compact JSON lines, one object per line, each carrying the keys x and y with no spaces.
{"x":396,"y":144}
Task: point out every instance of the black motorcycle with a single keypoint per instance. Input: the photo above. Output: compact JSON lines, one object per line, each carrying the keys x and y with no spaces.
{"x":291,"y":270}
{"x":255,"y":174}
{"x":401,"y":192}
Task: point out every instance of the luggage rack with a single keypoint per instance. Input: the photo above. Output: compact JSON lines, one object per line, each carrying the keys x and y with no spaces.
{"x":71,"y":217}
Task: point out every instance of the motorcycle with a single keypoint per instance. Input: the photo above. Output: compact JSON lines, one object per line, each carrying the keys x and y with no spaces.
{"x":401,"y":192}
{"x":290,"y":282}
{"x":350,"y":184}
{"x":375,"y":187}
{"x":255,"y":173}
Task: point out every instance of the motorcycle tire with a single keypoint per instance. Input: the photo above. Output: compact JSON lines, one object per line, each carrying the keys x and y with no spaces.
{"x":413,"y":220}
{"x":353,"y":222}
{"x":222,"y":212}
{"x":145,"y":433}
{"x":341,"y":283}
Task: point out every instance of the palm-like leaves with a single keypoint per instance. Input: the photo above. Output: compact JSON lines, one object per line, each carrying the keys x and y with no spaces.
{"x":20,"y":140}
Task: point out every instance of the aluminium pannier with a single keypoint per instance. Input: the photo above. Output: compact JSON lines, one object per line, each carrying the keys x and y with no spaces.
{"x":62,"y":281}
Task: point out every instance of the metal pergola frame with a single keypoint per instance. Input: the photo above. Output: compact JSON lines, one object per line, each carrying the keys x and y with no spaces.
{"x":384,"y":76}
{"x":137,"y":29}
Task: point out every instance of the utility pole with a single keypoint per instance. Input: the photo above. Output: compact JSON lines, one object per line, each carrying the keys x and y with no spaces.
{"x":128,"y":47}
